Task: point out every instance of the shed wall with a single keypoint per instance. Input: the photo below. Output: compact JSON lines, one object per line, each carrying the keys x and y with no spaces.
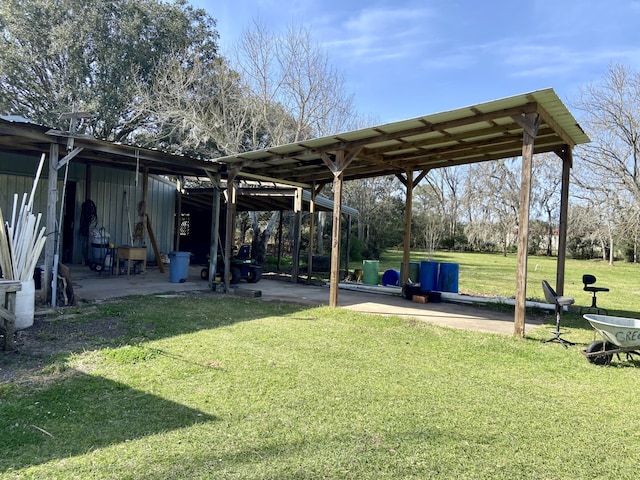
{"x":108,"y":187}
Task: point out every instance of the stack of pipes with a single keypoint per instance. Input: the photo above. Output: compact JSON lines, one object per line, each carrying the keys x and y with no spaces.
{"x":22,"y":240}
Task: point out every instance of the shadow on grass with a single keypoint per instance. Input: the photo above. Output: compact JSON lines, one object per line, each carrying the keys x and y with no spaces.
{"x":78,"y":414}
{"x":128,"y":321}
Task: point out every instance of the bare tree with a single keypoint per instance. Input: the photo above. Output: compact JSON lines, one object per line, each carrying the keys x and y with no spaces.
{"x":610,"y":164}
{"x":199,"y":107}
{"x":429,"y":217}
{"x":293,"y":71}
{"x":492,"y":202}
{"x":446,"y":185}
{"x":546,"y":193}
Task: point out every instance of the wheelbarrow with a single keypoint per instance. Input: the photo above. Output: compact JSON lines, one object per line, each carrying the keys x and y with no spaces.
{"x":619,"y":335}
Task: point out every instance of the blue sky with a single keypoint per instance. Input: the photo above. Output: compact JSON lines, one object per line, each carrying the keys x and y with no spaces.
{"x":404,"y":58}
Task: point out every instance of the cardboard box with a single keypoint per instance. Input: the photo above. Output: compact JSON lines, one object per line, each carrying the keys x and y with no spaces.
{"x":419,"y":299}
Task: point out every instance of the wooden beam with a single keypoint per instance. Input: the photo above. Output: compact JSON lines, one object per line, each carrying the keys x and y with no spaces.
{"x":406,"y":244}
{"x":312,"y":231}
{"x":420,"y":176}
{"x":403,"y":179}
{"x":528,"y":123}
{"x":215,"y":230}
{"x":68,"y":157}
{"x":335,"y":234}
{"x":51,"y":224}
{"x":154,"y":244}
{"x":567,"y":160}
{"x":546,"y":118}
{"x":523,"y":223}
{"x":382,"y":136}
{"x":461,"y":138}
{"x":229,"y":226}
{"x":266,"y":178}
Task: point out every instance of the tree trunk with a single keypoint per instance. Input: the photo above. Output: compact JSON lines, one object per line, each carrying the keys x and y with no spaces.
{"x":611,"y":254}
{"x":261,"y":238}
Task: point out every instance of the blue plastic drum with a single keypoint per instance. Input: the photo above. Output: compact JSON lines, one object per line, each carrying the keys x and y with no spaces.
{"x":391,"y":278}
{"x":448,"y":277}
{"x":428,"y":275}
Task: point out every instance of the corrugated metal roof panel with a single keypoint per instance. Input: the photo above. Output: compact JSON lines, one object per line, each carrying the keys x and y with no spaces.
{"x":473,"y":133}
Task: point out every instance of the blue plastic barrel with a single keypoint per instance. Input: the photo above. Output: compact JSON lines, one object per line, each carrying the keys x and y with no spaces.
{"x":391,"y":277}
{"x":428,"y":275}
{"x":448,"y":277}
{"x":179,"y":266}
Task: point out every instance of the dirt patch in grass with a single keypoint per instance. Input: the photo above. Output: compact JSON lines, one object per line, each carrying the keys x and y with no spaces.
{"x":52,"y":337}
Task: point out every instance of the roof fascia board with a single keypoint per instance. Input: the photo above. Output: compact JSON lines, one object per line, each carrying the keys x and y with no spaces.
{"x":265,"y":178}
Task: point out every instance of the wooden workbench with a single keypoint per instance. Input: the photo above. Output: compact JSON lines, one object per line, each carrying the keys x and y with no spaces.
{"x":8,"y":289}
{"x":131,"y":254}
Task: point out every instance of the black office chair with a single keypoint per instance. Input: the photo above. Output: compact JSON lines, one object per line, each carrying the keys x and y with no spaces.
{"x":588,"y":281}
{"x":560,"y":302}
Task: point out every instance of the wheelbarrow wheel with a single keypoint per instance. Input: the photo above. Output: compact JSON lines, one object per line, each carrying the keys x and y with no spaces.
{"x":599,"y":346}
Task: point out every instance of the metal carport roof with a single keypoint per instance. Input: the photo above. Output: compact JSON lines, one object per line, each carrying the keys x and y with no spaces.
{"x":517,"y":126}
{"x":487,"y":131}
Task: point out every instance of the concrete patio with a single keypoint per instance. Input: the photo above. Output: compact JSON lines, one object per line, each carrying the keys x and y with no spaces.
{"x":90,"y":287}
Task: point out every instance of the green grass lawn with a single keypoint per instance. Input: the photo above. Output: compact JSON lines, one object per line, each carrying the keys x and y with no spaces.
{"x":222,"y":387}
{"x":495,"y":275}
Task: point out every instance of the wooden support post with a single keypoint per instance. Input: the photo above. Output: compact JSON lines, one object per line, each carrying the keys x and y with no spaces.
{"x":567,"y":162}
{"x":335,"y":240}
{"x":52,"y":201}
{"x":530,"y":124}
{"x":337,"y":167}
{"x":312,"y":232}
{"x":154,"y":243}
{"x":215,"y":230}
{"x":279,"y":242}
{"x":231,"y":212}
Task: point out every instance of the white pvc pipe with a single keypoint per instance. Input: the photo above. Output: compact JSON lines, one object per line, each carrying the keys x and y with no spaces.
{"x":450,"y":297}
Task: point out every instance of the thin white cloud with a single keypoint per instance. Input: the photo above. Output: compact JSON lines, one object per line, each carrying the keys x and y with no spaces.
{"x":539,"y":60}
{"x":377,"y":34}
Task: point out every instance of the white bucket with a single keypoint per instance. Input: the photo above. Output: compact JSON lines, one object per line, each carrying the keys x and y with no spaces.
{"x":25,"y":305}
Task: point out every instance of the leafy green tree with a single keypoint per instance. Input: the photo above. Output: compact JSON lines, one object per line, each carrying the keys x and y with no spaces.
{"x":59,"y":54}
{"x":380,"y":203}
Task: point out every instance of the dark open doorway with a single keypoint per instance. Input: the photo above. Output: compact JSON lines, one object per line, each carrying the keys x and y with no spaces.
{"x":68,"y":222}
